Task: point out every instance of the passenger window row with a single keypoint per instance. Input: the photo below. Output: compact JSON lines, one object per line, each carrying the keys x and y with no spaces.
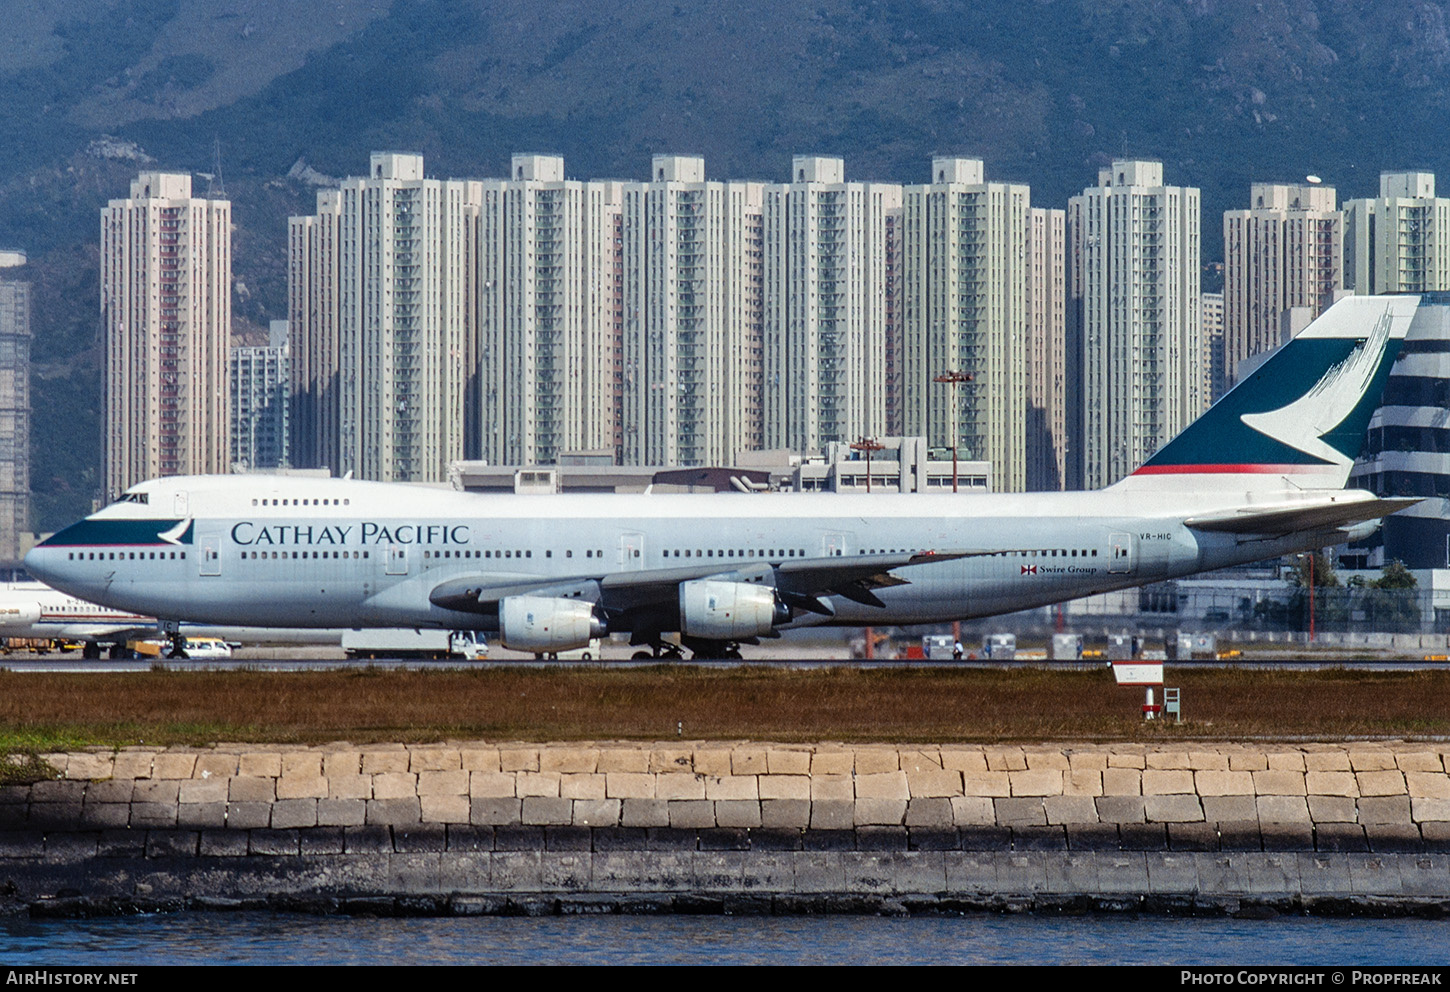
{"x":265,"y":555}
{"x":732,"y":553}
{"x":303,"y":502}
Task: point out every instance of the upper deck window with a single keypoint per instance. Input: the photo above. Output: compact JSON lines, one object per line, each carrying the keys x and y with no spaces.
{"x":143,"y":498}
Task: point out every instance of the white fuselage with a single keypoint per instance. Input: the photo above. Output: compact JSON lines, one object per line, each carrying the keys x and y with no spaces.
{"x":288,"y":552}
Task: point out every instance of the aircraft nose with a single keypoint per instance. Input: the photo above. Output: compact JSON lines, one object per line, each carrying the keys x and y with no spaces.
{"x":38,"y":561}
{"x":43,"y":560}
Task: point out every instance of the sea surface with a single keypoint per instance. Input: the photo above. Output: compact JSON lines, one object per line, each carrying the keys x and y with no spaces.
{"x":280,"y":939}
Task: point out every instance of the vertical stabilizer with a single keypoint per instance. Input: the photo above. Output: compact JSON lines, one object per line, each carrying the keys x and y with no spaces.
{"x":1299,"y":420}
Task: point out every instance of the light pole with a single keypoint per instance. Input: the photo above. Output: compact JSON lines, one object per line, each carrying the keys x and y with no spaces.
{"x":953,"y":379}
{"x":868,"y":445}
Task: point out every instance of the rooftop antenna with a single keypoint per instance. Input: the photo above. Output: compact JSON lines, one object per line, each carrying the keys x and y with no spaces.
{"x":214,"y":185}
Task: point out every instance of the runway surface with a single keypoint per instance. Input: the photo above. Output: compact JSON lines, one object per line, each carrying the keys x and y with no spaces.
{"x":303,"y":660}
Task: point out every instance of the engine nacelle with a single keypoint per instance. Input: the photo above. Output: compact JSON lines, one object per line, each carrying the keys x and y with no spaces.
{"x":728,"y":611}
{"x":1358,"y":532}
{"x":18,"y":615}
{"x":546,"y":624}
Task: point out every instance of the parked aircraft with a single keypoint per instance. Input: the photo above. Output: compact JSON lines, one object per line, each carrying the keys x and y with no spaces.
{"x":1259,"y":475}
{"x":33,"y":610}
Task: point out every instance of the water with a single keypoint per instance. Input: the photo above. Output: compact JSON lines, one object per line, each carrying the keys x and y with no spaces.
{"x":267,"y":938}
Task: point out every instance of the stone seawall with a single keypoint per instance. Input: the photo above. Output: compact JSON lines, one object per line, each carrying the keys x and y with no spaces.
{"x":678,"y":826}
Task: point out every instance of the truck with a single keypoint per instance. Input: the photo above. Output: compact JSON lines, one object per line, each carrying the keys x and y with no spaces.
{"x":409,"y":642}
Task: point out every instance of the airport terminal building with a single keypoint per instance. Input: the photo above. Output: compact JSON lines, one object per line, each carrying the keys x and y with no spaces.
{"x":1407,"y":451}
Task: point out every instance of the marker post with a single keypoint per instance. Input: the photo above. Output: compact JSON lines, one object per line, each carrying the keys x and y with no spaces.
{"x":1141,"y":673}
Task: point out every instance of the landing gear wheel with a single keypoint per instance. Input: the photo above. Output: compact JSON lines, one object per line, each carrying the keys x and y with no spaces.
{"x":642,"y":656}
{"x":91,"y":651}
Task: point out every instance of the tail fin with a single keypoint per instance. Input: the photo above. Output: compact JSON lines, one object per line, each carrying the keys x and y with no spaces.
{"x":1299,"y":420}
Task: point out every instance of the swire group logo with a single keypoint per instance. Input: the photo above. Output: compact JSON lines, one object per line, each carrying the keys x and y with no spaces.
{"x":1029,"y":569}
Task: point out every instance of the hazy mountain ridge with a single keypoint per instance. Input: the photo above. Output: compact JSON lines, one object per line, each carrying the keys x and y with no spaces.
{"x":1043,"y":90}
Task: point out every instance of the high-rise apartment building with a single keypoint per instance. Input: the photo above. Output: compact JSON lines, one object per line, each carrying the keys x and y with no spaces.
{"x":1137,"y":309}
{"x":895,"y":331}
{"x":166,"y":314}
{"x":1046,"y":433}
{"x":261,"y":386}
{"x":966,"y":309}
{"x":1400,"y":241}
{"x":826,"y":284}
{"x":693,"y":298}
{"x":384,"y":274}
{"x":14,"y":407}
{"x":313,"y":293}
{"x":1285,"y":251}
{"x":549,"y":282}
{"x":1214,"y":378}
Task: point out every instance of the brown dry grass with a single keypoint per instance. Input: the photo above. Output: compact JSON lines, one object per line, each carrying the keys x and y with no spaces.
{"x":368,"y":705}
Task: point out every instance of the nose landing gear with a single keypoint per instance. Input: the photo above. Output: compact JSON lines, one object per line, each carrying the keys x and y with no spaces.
{"x":172,"y":630}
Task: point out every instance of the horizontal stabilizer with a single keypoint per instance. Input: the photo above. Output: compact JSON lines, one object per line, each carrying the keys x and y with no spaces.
{"x":1336,"y":511}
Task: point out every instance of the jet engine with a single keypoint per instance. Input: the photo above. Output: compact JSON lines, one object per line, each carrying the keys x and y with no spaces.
{"x":18,"y":615}
{"x":728,"y":611}
{"x":547,"y":624}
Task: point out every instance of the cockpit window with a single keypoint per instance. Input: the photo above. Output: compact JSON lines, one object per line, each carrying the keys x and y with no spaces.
{"x":134,"y":498}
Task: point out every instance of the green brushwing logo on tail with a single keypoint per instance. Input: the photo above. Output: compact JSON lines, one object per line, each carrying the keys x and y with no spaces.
{"x":1308,"y":406}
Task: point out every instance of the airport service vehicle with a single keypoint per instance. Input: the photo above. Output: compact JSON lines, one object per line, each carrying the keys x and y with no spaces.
{"x":999,"y":647}
{"x":935,"y":647}
{"x":584,"y":652}
{"x":406,"y":642}
{"x":195,"y":648}
{"x":1066,"y":647}
{"x":1258,"y":475}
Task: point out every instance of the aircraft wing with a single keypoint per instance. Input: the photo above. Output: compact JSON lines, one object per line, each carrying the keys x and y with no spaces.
{"x":91,"y":632}
{"x":1339,"y":511}
{"x":800,"y":581}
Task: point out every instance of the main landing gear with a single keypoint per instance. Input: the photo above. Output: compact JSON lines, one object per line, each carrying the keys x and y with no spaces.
{"x":660,"y":651}
{"x":699,"y":648}
{"x":713,"y":650}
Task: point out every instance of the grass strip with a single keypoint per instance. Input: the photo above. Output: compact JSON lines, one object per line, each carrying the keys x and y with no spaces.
{"x":40,"y":712}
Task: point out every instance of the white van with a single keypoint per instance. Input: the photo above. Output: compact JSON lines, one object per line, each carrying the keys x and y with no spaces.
{"x":196,"y":648}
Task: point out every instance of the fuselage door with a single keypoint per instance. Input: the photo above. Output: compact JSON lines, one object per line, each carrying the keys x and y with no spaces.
{"x":834,"y":542}
{"x":179,"y":505}
{"x":631,"y":551}
{"x":1120,"y":554}
{"x":211,"y":560}
{"x":397,"y":559}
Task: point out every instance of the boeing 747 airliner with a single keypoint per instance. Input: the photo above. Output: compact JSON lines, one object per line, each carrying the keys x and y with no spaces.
{"x":1260,"y":474}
